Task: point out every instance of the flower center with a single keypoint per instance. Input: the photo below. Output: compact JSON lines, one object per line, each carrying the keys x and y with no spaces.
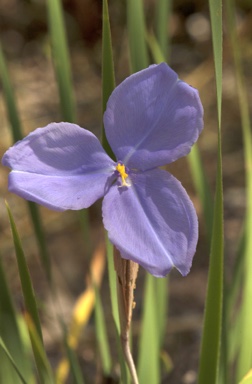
{"x":121,"y":169}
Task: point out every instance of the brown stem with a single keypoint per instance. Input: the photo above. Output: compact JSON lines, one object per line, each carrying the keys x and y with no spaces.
{"x":126,"y":271}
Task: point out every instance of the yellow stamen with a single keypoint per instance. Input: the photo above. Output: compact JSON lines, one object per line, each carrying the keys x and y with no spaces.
{"x":121,"y":169}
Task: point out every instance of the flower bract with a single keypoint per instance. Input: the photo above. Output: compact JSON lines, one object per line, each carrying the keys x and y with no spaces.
{"x":152,"y":119}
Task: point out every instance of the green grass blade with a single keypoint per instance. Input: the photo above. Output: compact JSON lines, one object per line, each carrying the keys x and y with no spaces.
{"x":209,"y":357}
{"x":74,"y":365}
{"x":27,"y":288}
{"x":16,"y":130}
{"x":148,"y":366}
{"x":245,"y":352}
{"x":40,"y":237}
{"x":115,"y":309}
{"x":42,"y":363}
{"x":108,"y":76}
{"x":112,"y":284}
{"x":9,"y":332}
{"x":101,"y":333}
{"x":155,"y":48}
{"x":136,"y":34}
{"x":75,"y":368}
{"x":202,"y":187}
{"x":162,"y":300}
{"x":163,"y":13}
{"x":61,"y":59}
{"x":210,"y":347}
{"x":32,"y":316}
{"x":6,"y":379}
{"x":10,"y":100}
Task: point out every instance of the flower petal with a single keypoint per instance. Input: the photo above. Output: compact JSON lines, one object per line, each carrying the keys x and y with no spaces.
{"x":152,"y":118}
{"x":61,"y":166}
{"x":153,"y":222}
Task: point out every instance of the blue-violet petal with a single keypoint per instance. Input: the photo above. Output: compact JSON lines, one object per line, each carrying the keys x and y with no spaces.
{"x":61,"y":166}
{"x":152,"y":118}
{"x":153,"y":222}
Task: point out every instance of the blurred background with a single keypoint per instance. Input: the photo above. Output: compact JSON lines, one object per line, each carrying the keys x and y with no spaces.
{"x":25,"y":41}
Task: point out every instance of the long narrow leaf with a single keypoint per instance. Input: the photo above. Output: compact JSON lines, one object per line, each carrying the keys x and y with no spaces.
{"x":16,"y":131}
{"x":10,"y":334}
{"x":29,"y":297}
{"x":108,"y":76}
{"x":245,"y":352}
{"x":112,"y":284}
{"x":13,"y":363}
{"x":210,"y":347}
{"x":42,"y":363}
{"x":115,"y":309}
{"x":32,"y":316}
{"x":148,"y":366}
{"x":10,"y":100}
{"x":61,"y":59}
{"x":75,"y":368}
{"x":102,"y":334}
{"x":202,"y":187}
{"x":163,"y":11}
{"x":136,"y":33}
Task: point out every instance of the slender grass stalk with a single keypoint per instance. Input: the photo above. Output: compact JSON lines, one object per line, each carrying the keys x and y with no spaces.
{"x":42,"y":364}
{"x":16,"y":131}
{"x":210,"y":347}
{"x":202,"y":187}
{"x":11,"y":336}
{"x":31,"y":316}
{"x":245,"y":350}
{"x":74,"y":365}
{"x":4,"y":348}
{"x":24,"y":274}
{"x":108,"y":76}
{"x":61,"y":59}
{"x":101,"y":332}
{"x":136,"y":33}
{"x":149,"y":345}
{"x":162,"y":18}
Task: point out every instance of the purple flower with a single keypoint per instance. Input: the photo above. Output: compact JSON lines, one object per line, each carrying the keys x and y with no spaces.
{"x":152,"y":119}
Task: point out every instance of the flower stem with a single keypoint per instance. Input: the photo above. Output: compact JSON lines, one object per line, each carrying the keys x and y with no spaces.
{"x":126,"y":271}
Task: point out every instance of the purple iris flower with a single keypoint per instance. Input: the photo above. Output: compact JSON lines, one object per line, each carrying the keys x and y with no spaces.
{"x":152,"y":119}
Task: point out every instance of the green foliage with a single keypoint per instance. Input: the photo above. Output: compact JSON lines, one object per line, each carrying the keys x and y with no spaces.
{"x":13,"y":352}
{"x":108,"y":77}
{"x":149,"y":345}
{"x":136,"y":32}
{"x":16,"y":131}
{"x":245,"y":334}
{"x":102,"y":337}
{"x":61,"y":59}
{"x":32,"y":316}
{"x":162,"y":23}
{"x":210,"y":347}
